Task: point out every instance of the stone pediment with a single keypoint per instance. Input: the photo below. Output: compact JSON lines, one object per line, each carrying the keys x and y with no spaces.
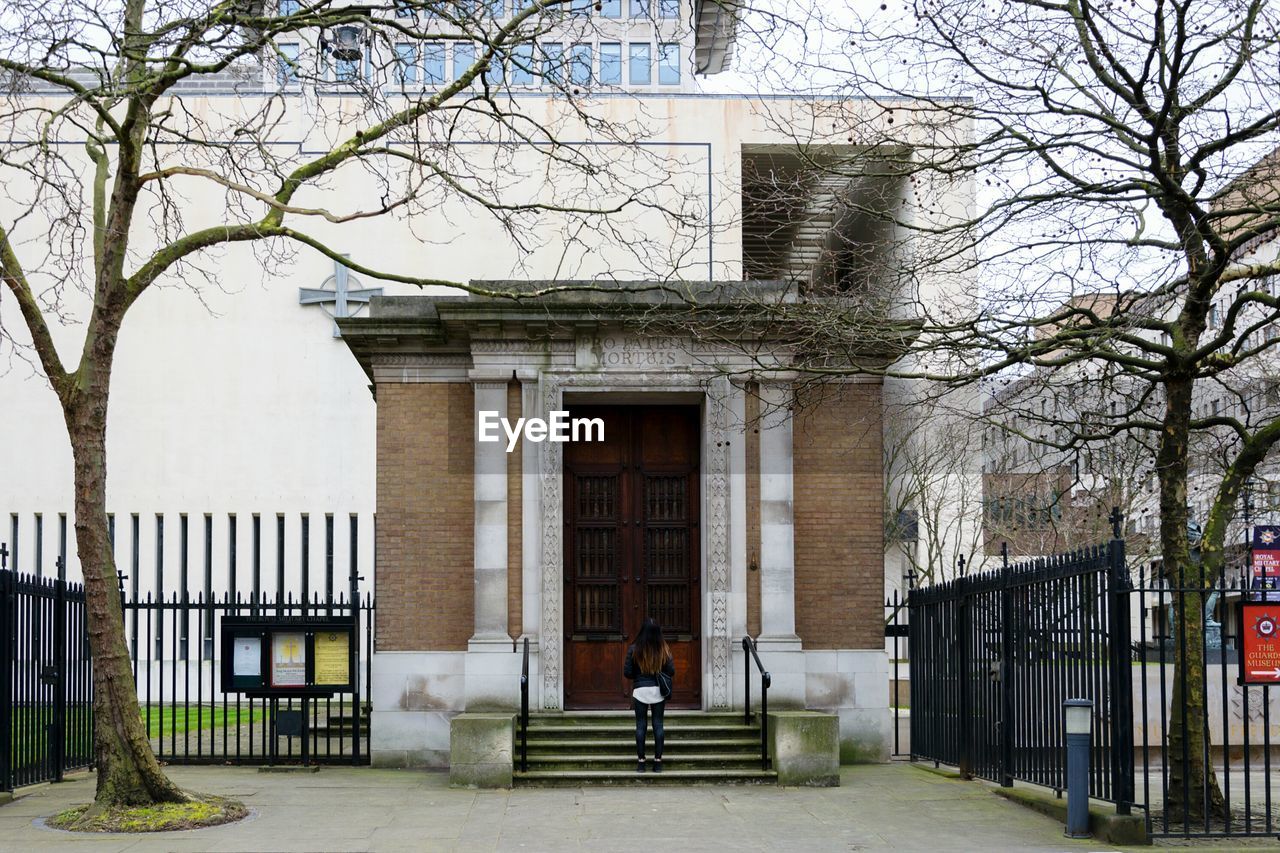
{"x":691,"y":327}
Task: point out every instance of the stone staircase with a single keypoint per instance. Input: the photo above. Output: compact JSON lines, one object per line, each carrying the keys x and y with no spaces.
{"x":339,"y":724}
{"x":599,"y":748}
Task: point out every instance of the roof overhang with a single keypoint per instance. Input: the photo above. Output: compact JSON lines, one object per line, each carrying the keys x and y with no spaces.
{"x":715,"y":31}
{"x":730,"y":323}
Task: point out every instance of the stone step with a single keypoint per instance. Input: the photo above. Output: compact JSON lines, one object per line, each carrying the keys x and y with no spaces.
{"x":626,"y":744}
{"x":598,"y":748}
{"x":627,"y":762}
{"x":673,"y":731}
{"x":579,"y":778}
{"x":339,"y":731}
{"x":588,"y":719}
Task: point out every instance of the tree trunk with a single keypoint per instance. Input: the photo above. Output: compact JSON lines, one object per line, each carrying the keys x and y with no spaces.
{"x":128,"y":773}
{"x":1193,"y":784}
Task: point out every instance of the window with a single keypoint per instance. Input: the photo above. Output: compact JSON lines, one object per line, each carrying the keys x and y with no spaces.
{"x":611,"y":63}
{"x":641,"y":73}
{"x":580,"y":8}
{"x":611,"y":8}
{"x":289,"y":7}
{"x":403,"y":9}
{"x":493,"y":74}
{"x":346,"y":70}
{"x":669,"y":64}
{"x":433,"y":63}
{"x":552,"y":63}
{"x":522,"y":65}
{"x":522,"y":5}
{"x":464,"y":56}
{"x":406,"y":64}
{"x":668,"y":8}
{"x":288,"y":72}
{"x":580,"y":62}
{"x":497,"y":8}
{"x":1213,"y":316}
{"x":639,"y":8}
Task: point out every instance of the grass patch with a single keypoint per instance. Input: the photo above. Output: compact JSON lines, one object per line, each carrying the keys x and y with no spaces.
{"x":179,"y":719}
{"x":164,"y":817}
{"x":30,"y":736}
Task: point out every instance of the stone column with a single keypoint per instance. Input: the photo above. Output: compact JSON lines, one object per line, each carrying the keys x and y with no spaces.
{"x":777,"y":532}
{"x":531,"y":513}
{"x":736,"y":436}
{"x":492,"y":674}
{"x":490,"y":520}
{"x":780,"y":648}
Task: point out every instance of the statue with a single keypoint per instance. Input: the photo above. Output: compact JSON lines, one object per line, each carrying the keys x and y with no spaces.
{"x":1212,"y":628}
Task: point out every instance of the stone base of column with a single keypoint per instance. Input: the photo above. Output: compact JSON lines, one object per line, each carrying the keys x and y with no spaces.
{"x":491,"y":679}
{"x":783,"y":657}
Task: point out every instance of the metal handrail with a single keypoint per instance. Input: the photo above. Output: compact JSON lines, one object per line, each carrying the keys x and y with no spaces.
{"x":524,"y":709}
{"x":749,"y":654}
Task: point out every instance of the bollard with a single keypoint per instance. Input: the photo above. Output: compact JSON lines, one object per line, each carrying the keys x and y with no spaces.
{"x":1078,"y":718}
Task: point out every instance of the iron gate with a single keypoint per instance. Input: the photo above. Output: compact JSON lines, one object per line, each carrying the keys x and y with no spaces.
{"x":993,"y":656}
{"x":46,"y":679}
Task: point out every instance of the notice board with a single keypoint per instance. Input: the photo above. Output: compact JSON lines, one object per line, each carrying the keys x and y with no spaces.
{"x":289,"y":655}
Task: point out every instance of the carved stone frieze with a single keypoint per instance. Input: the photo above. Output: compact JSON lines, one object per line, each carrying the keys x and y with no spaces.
{"x":552,"y":555}
{"x":716,"y":468}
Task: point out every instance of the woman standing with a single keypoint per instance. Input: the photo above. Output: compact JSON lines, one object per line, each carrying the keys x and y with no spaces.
{"x":650,"y":666}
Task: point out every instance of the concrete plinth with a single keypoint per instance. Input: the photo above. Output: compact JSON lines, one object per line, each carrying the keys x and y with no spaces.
{"x":480,"y":750}
{"x":805,"y":748}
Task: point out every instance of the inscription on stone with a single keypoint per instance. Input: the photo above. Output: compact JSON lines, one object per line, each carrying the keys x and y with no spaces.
{"x":638,"y":352}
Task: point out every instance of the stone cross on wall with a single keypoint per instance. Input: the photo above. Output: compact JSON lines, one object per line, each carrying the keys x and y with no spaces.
{"x":346,"y":302}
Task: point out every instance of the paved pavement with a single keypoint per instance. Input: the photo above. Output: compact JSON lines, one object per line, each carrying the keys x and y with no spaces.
{"x":877,"y":807}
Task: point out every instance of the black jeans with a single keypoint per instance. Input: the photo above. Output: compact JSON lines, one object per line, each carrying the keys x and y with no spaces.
{"x":641,"y":710}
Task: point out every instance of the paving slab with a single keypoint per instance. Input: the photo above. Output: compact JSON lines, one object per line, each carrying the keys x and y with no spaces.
{"x":877,"y":807}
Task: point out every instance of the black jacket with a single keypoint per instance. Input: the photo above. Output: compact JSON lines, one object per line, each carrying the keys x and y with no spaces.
{"x":645,"y":679}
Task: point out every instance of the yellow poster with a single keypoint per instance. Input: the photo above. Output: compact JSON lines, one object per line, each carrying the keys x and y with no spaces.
{"x":332,"y":662}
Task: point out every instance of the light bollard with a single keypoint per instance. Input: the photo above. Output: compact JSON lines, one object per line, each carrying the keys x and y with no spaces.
{"x":1078,"y":718}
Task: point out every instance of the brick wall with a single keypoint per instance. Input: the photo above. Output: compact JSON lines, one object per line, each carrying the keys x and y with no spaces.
{"x":426,"y":516}
{"x":839,"y":529}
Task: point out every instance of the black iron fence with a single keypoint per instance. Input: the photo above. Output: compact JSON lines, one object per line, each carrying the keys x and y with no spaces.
{"x":46,"y":679}
{"x":46,"y":689}
{"x":1241,"y":746}
{"x":993,"y":656}
{"x":191,"y":720}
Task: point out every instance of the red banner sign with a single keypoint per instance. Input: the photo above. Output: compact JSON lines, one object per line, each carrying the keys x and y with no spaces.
{"x":1259,"y":643}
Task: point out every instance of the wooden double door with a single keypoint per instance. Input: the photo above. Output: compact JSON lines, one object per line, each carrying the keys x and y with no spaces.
{"x":632,"y":546}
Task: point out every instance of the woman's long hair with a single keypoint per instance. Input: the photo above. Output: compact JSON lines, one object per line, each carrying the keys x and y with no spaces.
{"x":652,"y":651}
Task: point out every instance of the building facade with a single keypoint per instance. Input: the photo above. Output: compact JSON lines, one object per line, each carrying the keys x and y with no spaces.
{"x":715,"y":501}
{"x":241,"y":422}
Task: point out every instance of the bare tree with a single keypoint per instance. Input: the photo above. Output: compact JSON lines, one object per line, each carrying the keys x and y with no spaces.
{"x":1125,"y":201}
{"x":933,"y":484}
{"x":108,"y":141}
